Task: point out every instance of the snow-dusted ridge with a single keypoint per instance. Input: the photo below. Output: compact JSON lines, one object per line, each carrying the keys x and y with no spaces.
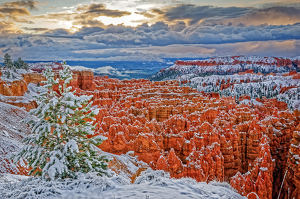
{"x":254,"y":76}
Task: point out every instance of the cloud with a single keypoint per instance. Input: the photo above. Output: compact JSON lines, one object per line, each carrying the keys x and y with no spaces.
{"x":86,"y":15}
{"x":161,"y":34}
{"x":8,"y":28}
{"x":100,"y":10}
{"x":154,"y":42}
{"x":17,"y":8}
{"x":272,"y":15}
{"x":222,"y":31}
{"x":26,"y":4}
{"x":195,"y":13}
{"x":16,"y":11}
{"x":269,"y":16}
{"x":39,"y":30}
{"x":59,"y":16}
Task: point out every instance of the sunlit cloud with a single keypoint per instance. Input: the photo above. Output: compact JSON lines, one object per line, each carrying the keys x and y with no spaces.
{"x":15,"y":12}
{"x":23,"y":3}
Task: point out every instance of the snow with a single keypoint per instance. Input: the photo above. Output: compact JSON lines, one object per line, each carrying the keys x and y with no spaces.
{"x":104,"y":70}
{"x":56,"y":165}
{"x":12,"y":130}
{"x":13,"y":74}
{"x":263,"y":168}
{"x":252,"y":101}
{"x":107,"y":70}
{"x":150,"y":184}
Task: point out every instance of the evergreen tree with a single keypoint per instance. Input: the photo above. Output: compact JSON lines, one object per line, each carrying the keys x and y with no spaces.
{"x":8,"y":61}
{"x":58,"y":146}
{"x":17,"y":65}
{"x":22,"y":64}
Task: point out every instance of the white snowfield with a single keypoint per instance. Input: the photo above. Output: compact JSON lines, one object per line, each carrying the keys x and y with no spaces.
{"x":149,"y":185}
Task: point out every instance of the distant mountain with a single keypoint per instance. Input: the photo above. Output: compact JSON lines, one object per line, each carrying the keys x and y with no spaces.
{"x":254,"y":76}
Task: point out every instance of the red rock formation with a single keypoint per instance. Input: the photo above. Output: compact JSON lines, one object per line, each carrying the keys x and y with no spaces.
{"x":85,"y":80}
{"x":191,"y":134}
{"x":291,"y":180}
{"x":15,"y":88}
{"x":35,"y":78}
{"x":260,"y":173}
{"x":205,"y":138}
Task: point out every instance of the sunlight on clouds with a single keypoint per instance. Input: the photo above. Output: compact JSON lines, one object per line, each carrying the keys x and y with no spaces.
{"x":65,"y":24}
{"x":129,"y":20}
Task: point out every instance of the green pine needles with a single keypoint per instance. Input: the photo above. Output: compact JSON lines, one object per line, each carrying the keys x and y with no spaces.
{"x":58,"y":146}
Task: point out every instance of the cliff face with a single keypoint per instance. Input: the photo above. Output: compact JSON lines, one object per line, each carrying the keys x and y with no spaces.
{"x":35,"y":78}
{"x":15,"y":88}
{"x":85,"y":80}
{"x":14,"y":92}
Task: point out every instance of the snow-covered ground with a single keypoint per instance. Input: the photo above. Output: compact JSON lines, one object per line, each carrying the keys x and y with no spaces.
{"x":12,"y":75}
{"x":150,"y":184}
{"x":13,"y":128}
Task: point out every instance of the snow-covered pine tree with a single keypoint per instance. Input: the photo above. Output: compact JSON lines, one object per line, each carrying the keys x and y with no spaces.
{"x":8,"y":63}
{"x":58,"y":146}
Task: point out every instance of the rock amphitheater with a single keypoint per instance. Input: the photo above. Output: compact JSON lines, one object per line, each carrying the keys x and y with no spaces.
{"x":192,"y":134}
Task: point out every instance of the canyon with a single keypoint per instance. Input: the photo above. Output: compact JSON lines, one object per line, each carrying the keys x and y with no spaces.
{"x":252,"y":143}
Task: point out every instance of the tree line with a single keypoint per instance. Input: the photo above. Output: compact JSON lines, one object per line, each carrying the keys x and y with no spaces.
{"x":9,"y":63}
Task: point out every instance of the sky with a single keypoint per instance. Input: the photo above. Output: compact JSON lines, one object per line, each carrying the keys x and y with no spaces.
{"x":148,"y":29}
